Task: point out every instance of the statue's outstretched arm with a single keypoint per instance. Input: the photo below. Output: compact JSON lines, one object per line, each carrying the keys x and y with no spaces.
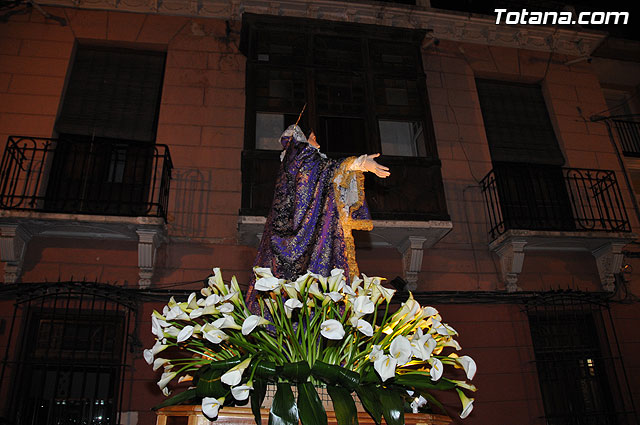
{"x":367,"y":163}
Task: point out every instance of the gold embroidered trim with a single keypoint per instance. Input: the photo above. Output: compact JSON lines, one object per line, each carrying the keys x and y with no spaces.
{"x":343,"y":177}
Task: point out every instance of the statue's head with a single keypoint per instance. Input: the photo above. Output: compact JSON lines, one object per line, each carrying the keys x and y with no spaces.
{"x":312,"y":139}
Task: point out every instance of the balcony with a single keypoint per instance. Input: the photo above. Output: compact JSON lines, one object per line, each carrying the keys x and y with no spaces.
{"x":68,"y":188}
{"x":626,"y":129}
{"x":538,"y":207}
{"x":408,"y":208}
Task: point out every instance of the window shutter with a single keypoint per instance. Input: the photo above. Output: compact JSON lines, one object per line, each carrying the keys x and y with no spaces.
{"x":517,"y":123}
{"x":113,"y":94}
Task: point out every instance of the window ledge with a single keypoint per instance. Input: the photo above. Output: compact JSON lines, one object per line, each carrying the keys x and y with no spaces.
{"x":18,"y":227}
{"x":606,"y":247}
{"x":410,"y":238}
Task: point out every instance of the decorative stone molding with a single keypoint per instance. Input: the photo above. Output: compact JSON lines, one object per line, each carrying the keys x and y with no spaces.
{"x":412,"y":251}
{"x":446,"y":25}
{"x":13,"y":245}
{"x":511,"y":255}
{"x":19,"y":226}
{"x":606,"y":247}
{"x":148,"y":242}
{"x":410,"y":238}
{"x":609,"y":261}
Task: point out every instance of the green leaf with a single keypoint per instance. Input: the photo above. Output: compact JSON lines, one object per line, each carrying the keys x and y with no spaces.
{"x":369,"y":398}
{"x":336,"y":375}
{"x":310,"y":406}
{"x":422,"y":381}
{"x":392,"y":406}
{"x":178,"y":398}
{"x":370,"y":376}
{"x":266,"y":370}
{"x":257,"y":397}
{"x":210,"y":385}
{"x":343,"y":405}
{"x":297,"y":372}
{"x":226,"y":364}
{"x":283,"y":410}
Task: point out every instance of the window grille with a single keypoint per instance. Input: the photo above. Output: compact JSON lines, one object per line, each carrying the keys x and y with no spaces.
{"x":580,"y":370}
{"x":67,"y":354}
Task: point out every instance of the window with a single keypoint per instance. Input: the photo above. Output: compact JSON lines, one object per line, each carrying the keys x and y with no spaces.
{"x":578,"y":369}
{"x":104,"y":158}
{"x":365,"y":91}
{"x":71,"y":344}
{"x":526,"y":157}
{"x":517,"y":123}
{"x":364,"y":86}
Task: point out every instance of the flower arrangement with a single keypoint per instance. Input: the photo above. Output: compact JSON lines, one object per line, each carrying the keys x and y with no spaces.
{"x":313,"y":331}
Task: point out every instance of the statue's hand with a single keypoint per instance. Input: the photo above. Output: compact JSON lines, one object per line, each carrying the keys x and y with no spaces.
{"x":372,"y":166}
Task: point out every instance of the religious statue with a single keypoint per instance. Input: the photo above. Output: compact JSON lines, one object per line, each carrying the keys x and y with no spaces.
{"x":318,"y":201}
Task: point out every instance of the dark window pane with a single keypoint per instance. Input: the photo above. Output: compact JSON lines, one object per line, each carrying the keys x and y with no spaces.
{"x":344,"y":135}
{"x":279,"y":89}
{"x":340,"y":93}
{"x":337,"y":52}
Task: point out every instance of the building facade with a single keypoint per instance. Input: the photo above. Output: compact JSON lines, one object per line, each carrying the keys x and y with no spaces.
{"x":140,"y":150}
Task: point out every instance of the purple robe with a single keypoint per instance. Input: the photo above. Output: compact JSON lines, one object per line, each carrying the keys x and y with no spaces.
{"x":316,"y":204}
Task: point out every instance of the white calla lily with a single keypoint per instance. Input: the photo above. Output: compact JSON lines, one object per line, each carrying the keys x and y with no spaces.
{"x":196,"y":313}
{"x":469,"y":366}
{"x":265,"y":284}
{"x":212,"y":299}
{"x":185,"y":333}
{"x":158,"y":363}
{"x":362,"y":306}
{"x":225,"y":308}
{"x":335,"y":296}
{"x":166,"y":378}
{"x":241,"y":392}
{"x":467,"y":403}
{"x":400,"y":349}
{"x":385,"y":365}
{"x":375,"y":353}
{"x":364,"y":327}
{"x":211,"y":406}
{"x":192,"y":301}
{"x":436,"y":368}
{"x":172,"y":331}
{"x":156,"y":327}
{"x":215,"y":336}
{"x":251,"y":322}
{"x":233,"y":376}
{"x":148,"y":356}
{"x":217,"y":282}
{"x":226,"y":322}
{"x":290,"y":305}
{"x":332,"y":329}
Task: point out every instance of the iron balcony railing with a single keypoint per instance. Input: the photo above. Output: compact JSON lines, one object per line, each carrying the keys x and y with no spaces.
{"x":413,"y":192}
{"x":626,"y":128}
{"x":540,"y":197}
{"x":106,"y":177}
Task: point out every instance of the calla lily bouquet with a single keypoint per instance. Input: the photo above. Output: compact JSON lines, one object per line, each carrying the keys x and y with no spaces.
{"x":316,"y":330}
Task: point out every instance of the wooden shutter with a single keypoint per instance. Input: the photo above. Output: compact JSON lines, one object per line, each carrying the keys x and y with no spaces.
{"x":517,"y":123}
{"x":113,"y":94}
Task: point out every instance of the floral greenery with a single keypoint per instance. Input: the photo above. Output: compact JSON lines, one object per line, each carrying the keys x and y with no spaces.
{"x":312,"y":330}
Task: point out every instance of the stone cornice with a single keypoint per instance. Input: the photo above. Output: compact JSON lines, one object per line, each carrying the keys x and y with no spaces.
{"x":446,"y":25}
